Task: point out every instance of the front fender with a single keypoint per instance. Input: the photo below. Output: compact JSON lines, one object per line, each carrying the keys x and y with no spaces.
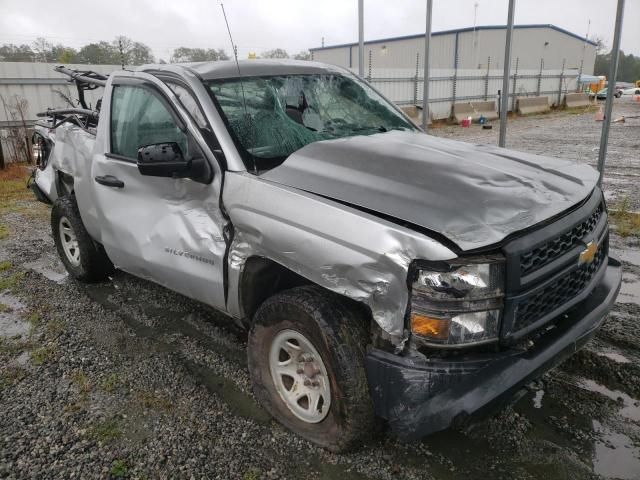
{"x":339,"y":248}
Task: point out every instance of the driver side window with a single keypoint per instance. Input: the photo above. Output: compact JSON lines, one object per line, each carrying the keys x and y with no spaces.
{"x":140,"y":118}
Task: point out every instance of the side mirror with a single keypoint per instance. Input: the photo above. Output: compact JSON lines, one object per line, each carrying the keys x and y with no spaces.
{"x":163,"y":160}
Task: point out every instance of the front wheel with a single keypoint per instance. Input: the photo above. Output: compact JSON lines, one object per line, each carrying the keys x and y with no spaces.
{"x":306,"y":358}
{"x":82,"y":257}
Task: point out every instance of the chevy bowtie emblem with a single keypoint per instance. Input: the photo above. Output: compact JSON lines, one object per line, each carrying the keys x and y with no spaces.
{"x":587,"y":255}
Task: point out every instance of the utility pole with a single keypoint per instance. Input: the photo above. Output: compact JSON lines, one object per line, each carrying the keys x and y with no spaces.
{"x":361,"y":38}
{"x":611,"y":85}
{"x":425,"y":91}
{"x":505,"y":78}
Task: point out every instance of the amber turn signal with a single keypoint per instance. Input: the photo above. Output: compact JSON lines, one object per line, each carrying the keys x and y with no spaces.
{"x":430,"y":327}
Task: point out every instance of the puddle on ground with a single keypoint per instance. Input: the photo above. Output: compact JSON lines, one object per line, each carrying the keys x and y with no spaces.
{"x":630,"y":406}
{"x":630,"y":289}
{"x":628,"y":255}
{"x":614,"y":455}
{"x":178,"y":322}
{"x":610,"y":196}
{"x":537,"y":398}
{"x":238,"y":402}
{"x":614,"y":355}
{"x":329,"y":471}
{"x":49,"y":267}
{"x":11,"y":322}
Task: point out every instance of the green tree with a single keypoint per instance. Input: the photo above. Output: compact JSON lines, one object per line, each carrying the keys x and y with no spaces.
{"x":628,"y":66}
{"x":102,"y":53}
{"x":64,"y":54}
{"x":16,"y":53}
{"x":186,"y":54}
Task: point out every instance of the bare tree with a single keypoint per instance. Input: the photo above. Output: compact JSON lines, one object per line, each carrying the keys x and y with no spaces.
{"x":303,"y":55}
{"x":43,"y":50}
{"x":601,"y":47}
{"x":275,"y":53}
{"x":18,"y":133}
{"x":66,"y":96}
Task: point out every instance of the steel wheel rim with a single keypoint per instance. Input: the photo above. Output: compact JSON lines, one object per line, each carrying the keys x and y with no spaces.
{"x":300,"y":376}
{"x":69,"y":241}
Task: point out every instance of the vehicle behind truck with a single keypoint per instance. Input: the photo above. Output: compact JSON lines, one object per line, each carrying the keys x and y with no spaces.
{"x":380,"y":273}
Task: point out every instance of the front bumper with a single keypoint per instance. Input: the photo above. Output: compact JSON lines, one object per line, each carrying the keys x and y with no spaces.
{"x":420,"y":395}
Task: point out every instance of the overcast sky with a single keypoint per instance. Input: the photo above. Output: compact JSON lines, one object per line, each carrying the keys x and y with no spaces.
{"x":294,"y":25}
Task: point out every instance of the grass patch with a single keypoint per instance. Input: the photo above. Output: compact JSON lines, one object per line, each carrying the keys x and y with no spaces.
{"x":119,"y":469}
{"x":13,"y":347}
{"x":111,"y":383}
{"x":15,"y":196}
{"x":35,"y":320}
{"x":105,"y":431}
{"x":626,"y":222}
{"x":4,"y":266}
{"x":5,"y":308}
{"x":11,"y":282}
{"x":44,"y":355}
{"x":11,"y":376}
{"x":12,"y":191}
{"x":153,"y":401}
{"x":4,"y":231}
{"x":13,"y":183}
{"x":252,"y":474}
{"x":55,"y":327}
{"x":80,"y":379}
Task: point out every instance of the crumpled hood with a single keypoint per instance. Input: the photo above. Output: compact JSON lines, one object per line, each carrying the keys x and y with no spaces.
{"x":475,"y":195}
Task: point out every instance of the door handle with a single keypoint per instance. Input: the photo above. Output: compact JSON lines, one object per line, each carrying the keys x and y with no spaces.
{"x":109,"y":181}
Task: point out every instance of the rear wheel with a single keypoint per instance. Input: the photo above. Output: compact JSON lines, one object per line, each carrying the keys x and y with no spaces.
{"x":82,"y":257}
{"x":306,"y":358}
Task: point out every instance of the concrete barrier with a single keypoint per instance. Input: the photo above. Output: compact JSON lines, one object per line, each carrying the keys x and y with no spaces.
{"x":573,"y":100}
{"x":475,"y":110}
{"x":527,"y":105}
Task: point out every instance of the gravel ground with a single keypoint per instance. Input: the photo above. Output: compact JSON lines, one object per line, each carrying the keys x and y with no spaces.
{"x":127,"y":379}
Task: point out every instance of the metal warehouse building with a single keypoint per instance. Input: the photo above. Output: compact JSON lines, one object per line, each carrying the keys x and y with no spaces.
{"x":479,"y":47}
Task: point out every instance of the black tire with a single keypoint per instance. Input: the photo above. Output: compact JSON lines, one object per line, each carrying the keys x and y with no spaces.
{"x":94,"y":265}
{"x":338,"y":332}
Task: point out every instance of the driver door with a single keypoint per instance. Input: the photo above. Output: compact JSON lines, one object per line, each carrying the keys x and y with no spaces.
{"x":168,"y":230}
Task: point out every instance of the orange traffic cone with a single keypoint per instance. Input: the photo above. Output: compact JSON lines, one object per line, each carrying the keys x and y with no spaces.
{"x":600,"y":115}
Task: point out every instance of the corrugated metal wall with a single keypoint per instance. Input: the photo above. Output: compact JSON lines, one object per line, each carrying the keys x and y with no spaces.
{"x":38,"y":84}
{"x":529,"y":45}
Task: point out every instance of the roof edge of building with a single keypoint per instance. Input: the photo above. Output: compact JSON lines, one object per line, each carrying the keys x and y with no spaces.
{"x":458,"y":30}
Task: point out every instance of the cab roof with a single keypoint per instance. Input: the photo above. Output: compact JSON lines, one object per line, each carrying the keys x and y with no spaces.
{"x":252,"y":68}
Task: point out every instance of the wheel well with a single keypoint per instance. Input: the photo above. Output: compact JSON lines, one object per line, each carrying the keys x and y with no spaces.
{"x":64,"y":184}
{"x":263,"y":278}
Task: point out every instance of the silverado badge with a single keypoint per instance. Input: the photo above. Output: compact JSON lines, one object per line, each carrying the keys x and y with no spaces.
{"x":588,"y":254}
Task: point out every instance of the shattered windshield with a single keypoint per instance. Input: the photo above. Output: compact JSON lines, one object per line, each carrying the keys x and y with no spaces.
{"x":285,"y":113}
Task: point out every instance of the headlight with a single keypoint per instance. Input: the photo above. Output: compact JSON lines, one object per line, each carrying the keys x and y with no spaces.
{"x":458,"y":302}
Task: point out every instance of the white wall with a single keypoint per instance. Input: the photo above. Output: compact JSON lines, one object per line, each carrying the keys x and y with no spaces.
{"x":473,"y":50}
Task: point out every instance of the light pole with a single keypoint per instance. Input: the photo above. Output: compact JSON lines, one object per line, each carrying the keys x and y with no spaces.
{"x":611,"y":89}
{"x":505,"y":78}
{"x":361,"y":38}
{"x":425,"y":91}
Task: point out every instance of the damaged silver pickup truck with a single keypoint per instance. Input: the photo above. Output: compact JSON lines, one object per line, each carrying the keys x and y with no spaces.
{"x":379,"y":271}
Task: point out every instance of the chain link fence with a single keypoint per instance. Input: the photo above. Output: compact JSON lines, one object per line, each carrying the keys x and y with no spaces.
{"x":448,"y":86}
